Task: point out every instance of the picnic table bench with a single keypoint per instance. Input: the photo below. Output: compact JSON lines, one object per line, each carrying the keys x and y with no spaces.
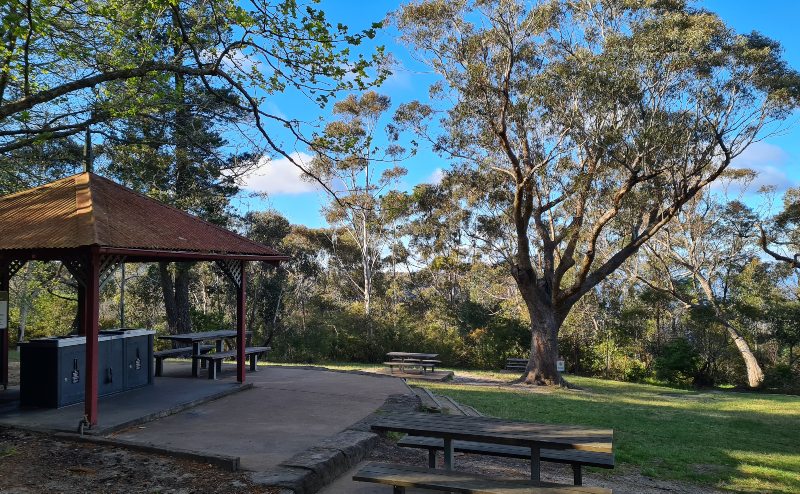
{"x":519,"y":364}
{"x":413,"y":364}
{"x":216,"y":358}
{"x":404,"y":476}
{"x":487,"y":430}
{"x":403,"y":360}
{"x":576,"y":459}
{"x":185,"y":351}
{"x":195,"y":339}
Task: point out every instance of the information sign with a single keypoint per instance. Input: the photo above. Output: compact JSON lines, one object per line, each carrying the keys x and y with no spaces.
{"x":3,"y":310}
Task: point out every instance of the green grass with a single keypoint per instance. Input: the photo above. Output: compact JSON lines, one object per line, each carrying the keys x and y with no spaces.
{"x":745,"y":442}
{"x":13,"y":356}
{"x":739,"y":441}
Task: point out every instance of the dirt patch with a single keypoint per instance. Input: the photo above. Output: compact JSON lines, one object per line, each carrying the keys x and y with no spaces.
{"x":622,"y":481}
{"x":32,"y":463}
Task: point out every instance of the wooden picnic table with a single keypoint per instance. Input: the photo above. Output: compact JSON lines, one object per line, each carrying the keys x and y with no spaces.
{"x":497,"y":431}
{"x":405,"y":360}
{"x":196,"y":339}
{"x":412,"y":356}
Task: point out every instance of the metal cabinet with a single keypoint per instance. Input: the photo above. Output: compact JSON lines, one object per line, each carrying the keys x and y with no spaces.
{"x":111,"y":371}
{"x":52,"y":369}
{"x":71,"y":375}
{"x":138,"y":361}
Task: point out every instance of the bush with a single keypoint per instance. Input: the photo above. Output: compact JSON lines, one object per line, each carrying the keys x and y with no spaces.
{"x":678,"y":363}
{"x":782,"y":379}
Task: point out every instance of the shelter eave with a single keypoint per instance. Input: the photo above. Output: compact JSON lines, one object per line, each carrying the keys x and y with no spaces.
{"x":155,"y":255}
{"x":134,"y":255}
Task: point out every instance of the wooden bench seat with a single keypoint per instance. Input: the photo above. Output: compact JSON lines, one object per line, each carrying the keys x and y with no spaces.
{"x":404,"y":476}
{"x":577,"y":459}
{"x":252,"y":352}
{"x":185,"y":351}
{"x":411,"y":364}
{"x":516,"y":364}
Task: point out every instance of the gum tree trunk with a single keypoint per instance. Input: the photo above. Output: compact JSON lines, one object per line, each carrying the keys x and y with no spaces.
{"x":755,"y":376}
{"x":176,"y":297}
{"x":545,"y":325}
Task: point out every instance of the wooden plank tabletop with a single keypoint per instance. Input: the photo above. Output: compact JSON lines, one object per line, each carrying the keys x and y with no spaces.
{"x":498,"y":431}
{"x":201,"y":336}
{"x":412,"y":355}
{"x":462,"y":482}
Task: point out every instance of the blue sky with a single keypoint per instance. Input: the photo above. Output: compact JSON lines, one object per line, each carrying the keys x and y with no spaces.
{"x":776,"y":158}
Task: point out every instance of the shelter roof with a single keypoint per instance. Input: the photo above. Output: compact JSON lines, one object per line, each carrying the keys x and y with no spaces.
{"x":88,"y":210}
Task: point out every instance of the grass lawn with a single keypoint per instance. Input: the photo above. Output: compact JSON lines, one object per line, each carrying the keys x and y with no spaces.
{"x":745,"y":442}
{"x":738,"y":441}
{"x":13,"y":356}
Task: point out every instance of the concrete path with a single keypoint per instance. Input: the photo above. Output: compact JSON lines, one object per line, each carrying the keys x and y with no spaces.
{"x":287,"y":411}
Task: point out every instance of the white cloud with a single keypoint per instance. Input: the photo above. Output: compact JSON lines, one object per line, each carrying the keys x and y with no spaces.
{"x":769,"y":161}
{"x":279,"y":176}
{"x":436,"y":177}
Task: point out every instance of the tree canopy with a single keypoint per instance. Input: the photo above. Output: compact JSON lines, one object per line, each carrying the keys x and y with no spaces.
{"x":583,"y":128}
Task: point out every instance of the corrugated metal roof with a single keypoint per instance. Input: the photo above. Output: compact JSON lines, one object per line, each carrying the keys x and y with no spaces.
{"x":87,"y":209}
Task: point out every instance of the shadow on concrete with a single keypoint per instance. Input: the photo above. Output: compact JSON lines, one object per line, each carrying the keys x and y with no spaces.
{"x":166,"y":396}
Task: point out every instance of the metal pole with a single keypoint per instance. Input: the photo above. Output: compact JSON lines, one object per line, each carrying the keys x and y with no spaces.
{"x":5,"y":272}
{"x":241,"y":305}
{"x":88,"y":159}
{"x":122,"y":297}
{"x":91,"y":325}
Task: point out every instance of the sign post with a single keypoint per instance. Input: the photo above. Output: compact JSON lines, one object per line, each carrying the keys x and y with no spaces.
{"x":3,"y":331}
{"x":560,"y":365}
{"x":3,"y":310}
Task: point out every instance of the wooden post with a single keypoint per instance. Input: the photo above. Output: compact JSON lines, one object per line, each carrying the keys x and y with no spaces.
{"x":536,"y":475}
{"x":91,"y":327}
{"x":5,"y":275}
{"x":241,"y":303}
{"x":448,"y":453}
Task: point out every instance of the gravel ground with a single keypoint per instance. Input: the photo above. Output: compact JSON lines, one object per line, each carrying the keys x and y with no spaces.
{"x":34,"y":463}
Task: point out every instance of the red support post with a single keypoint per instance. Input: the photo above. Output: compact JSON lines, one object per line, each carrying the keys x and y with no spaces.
{"x":91,"y":327}
{"x":241,"y":304}
{"x":5,"y":275}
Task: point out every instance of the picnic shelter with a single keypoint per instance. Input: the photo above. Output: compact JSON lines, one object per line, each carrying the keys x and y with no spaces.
{"x":93,"y":225}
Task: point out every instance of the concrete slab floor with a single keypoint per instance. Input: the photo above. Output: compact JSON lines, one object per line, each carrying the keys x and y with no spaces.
{"x":115,"y":410}
{"x":286,"y":412}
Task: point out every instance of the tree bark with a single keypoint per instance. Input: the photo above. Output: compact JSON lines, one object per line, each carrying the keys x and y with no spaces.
{"x":755,"y":376}
{"x":545,"y":325}
{"x":176,"y":297}
{"x":541,"y":369}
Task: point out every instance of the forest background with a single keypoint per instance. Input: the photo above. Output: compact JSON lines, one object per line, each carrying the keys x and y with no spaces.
{"x":392,"y":265}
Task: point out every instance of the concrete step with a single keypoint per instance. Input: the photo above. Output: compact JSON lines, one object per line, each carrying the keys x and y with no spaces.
{"x":429,"y":402}
{"x":471,"y":411}
{"x":450,"y":406}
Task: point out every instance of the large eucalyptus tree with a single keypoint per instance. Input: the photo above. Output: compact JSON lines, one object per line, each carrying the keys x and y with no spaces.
{"x":581,"y":128}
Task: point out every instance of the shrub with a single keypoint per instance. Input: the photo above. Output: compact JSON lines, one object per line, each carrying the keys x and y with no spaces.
{"x":678,"y":362}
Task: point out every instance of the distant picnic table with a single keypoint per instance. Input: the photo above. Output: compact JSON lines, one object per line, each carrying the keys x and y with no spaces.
{"x":404,"y":360}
